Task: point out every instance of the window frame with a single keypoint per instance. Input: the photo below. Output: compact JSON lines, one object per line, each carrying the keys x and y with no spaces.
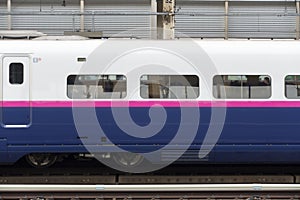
{"x":241,"y":80}
{"x":76,"y":75}
{"x":14,"y":73}
{"x":195,"y":75}
{"x":285,"y":88}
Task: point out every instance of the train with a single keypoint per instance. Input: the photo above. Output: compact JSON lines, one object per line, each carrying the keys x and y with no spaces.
{"x":210,"y":101}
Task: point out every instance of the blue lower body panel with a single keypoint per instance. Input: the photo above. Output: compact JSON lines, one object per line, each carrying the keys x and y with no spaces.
{"x":261,"y":135}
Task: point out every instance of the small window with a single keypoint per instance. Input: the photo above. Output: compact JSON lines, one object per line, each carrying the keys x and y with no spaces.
{"x":242,"y":86}
{"x":16,"y":73}
{"x":169,"y":86}
{"x":96,"y":86}
{"x":292,"y":86}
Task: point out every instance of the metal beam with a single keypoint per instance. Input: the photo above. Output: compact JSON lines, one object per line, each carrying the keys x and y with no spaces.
{"x":298,"y":20}
{"x":166,"y":23}
{"x":73,"y":13}
{"x":9,"y":16}
{"x":226,"y":20}
{"x":153,"y":28}
{"x":82,"y":16}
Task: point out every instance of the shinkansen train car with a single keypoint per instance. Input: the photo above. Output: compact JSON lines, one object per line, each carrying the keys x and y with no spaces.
{"x":236,"y":101}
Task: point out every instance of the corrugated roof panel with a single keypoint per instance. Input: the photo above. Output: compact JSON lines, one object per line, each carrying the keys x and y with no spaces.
{"x":210,"y":24}
{"x":262,"y":19}
{"x":121,"y":25}
{"x":3,"y":18}
{"x":49,"y":24}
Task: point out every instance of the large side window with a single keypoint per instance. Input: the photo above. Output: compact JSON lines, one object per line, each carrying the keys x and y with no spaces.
{"x":242,"y":86}
{"x":96,"y":86}
{"x":16,"y":73}
{"x":169,"y":86}
{"x":292,"y":86}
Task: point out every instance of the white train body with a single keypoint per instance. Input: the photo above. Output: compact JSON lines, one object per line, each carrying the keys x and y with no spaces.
{"x":50,"y":62}
{"x":37,"y":110}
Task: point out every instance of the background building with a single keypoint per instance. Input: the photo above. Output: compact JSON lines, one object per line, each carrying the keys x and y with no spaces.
{"x":139,"y":18}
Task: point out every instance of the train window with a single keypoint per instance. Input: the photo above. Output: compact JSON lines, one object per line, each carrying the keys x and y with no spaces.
{"x":292,"y":86}
{"x":242,"y":86}
{"x":169,"y":86}
{"x":96,"y":86}
{"x":16,"y":73}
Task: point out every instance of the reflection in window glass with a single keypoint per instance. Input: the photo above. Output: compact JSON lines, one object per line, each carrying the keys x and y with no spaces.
{"x":169,"y":86}
{"x":292,"y":86}
{"x":16,"y":73}
{"x":96,"y":86}
{"x":242,"y":86}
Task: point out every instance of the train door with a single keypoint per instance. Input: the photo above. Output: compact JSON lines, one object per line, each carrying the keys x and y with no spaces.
{"x":16,"y":110}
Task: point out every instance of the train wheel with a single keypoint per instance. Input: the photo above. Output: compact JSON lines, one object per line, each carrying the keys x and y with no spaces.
{"x":125,"y":159}
{"x":41,"y":159}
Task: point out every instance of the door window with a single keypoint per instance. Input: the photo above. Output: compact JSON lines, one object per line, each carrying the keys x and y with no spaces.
{"x":16,"y":73}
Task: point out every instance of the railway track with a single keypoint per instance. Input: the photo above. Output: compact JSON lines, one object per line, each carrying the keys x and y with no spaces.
{"x":151,"y":192}
{"x":93,"y":173}
{"x":87,"y":176}
{"x":150,"y":179}
{"x":152,"y":196}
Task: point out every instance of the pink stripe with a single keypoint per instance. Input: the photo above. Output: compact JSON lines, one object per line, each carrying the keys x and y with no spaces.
{"x":15,"y":103}
{"x":150,"y":103}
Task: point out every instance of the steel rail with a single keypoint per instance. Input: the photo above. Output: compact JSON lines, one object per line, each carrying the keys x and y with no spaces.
{"x":149,"y":188}
{"x":149,"y":195}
